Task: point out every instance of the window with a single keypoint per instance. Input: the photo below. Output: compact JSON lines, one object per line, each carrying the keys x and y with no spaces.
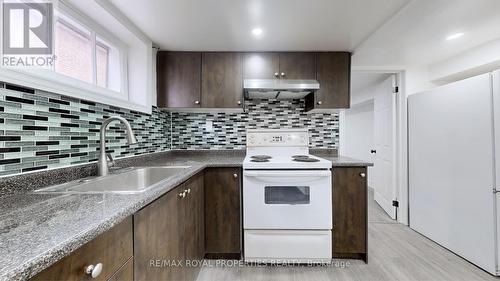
{"x":101,"y":56}
{"x":83,"y":54}
{"x":290,"y":195}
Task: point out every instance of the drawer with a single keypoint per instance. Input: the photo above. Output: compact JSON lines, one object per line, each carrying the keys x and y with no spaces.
{"x":112,"y":249}
{"x":295,"y":246}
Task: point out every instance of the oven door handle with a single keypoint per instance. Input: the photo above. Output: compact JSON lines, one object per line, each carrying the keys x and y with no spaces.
{"x":287,"y":174}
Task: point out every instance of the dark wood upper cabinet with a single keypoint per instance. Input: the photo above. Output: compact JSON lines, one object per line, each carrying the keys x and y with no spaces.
{"x":222,"y":212}
{"x":350,"y":212}
{"x":297,"y":65}
{"x":333,"y":72}
{"x":286,"y":65}
{"x":179,"y":79}
{"x":260,"y":65}
{"x":222,"y":80}
{"x":215,"y":79}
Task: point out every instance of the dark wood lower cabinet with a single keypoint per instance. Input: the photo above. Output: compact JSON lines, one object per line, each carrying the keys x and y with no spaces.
{"x":223,"y":213}
{"x":113,"y":249}
{"x":125,"y":273}
{"x":202,"y":218}
{"x":168,"y":234}
{"x":157,"y":239}
{"x":350,"y":213}
{"x":194,"y":230}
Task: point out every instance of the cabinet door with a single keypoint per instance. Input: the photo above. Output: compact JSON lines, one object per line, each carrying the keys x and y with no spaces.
{"x":222,"y":80}
{"x":333,"y":72}
{"x":125,"y":273}
{"x":350,"y":212}
{"x":158,"y":229}
{"x":222,"y":212}
{"x":179,"y":79}
{"x":260,"y":65}
{"x":297,"y":65}
{"x":194,"y":235}
{"x":112,"y":249}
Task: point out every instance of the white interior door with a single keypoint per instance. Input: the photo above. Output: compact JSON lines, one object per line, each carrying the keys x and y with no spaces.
{"x":451,"y":175}
{"x":496,"y":199}
{"x":384,"y":139}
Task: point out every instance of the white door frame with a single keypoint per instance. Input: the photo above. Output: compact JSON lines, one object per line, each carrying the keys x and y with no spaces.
{"x":401,"y":145}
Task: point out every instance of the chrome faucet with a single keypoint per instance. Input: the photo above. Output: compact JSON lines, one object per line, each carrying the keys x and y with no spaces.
{"x":102,"y":163}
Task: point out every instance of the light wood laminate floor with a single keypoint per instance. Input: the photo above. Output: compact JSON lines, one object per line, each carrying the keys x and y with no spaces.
{"x":395,"y":253}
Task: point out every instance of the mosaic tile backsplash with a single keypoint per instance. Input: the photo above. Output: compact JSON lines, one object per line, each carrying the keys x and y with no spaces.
{"x":229,"y":129}
{"x":40,"y":130}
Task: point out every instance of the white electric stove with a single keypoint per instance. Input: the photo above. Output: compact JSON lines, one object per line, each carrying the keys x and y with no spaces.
{"x":287,"y":199}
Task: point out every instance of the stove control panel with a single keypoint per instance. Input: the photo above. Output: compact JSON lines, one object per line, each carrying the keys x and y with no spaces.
{"x":278,"y":137}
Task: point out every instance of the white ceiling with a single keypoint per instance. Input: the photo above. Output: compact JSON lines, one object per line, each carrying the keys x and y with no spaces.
{"x":361,"y":81}
{"x":380,"y":33}
{"x":417,"y":34}
{"x":211,"y":25}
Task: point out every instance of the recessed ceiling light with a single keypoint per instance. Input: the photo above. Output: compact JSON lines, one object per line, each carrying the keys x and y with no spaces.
{"x":257,"y":31}
{"x":454,"y":36}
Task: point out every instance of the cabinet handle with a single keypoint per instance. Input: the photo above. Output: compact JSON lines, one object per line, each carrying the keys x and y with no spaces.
{"x":197,"y":102}
{"x":239,"y":102}
{"x":320,"y":102}
{"x":187,"y":190}
{"x":235,"y":176}
{"x":363,"y":175}
{"x":283,"y":74}
{"x":182,"y":194}
{"x":94,"y":270}
{"x":276,"y":74}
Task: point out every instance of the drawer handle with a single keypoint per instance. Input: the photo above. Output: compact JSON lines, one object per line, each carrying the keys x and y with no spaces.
{"x":197,"y":102}
{"x":235,"y":176}
{"x":363,"y":175}
{"x":187,"y":190}
{"x":94,"y":270}
{"x":320,"y":102}
{"x":182,"y":194}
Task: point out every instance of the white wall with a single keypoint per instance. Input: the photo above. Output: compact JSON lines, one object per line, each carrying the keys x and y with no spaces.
{"x":473,"y":62}
{"x":416,"y":79}
{"x":479,"y":60}
{"x":358,"y":133}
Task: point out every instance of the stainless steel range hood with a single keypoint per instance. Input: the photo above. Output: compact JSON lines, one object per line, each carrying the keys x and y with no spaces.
{"x":279,"y":88}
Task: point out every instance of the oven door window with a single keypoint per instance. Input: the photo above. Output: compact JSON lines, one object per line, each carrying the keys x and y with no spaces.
{"x":291,"y":195}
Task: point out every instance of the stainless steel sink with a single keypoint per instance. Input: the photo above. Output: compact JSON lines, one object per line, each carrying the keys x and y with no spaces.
{"x":129,"y":181}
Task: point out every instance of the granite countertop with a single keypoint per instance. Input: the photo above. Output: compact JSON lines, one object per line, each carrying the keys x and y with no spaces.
{"x":36,"y":230}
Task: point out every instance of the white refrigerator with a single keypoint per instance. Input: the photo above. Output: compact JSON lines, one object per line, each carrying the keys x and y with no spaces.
{"x":454,"y":167}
